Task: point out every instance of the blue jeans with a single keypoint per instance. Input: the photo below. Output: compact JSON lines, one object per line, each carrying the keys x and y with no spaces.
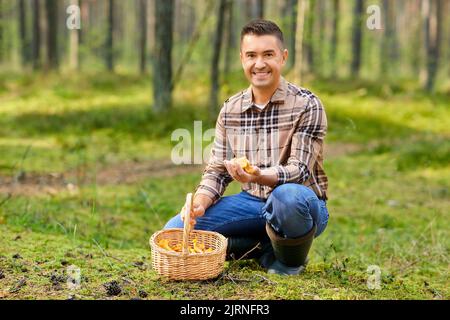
{"x":291,"y":209}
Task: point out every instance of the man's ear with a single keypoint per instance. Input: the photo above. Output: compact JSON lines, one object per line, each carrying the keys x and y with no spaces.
{"x":285,"y":55}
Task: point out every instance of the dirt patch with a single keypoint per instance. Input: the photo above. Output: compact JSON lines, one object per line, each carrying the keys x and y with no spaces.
{"x":132,"y":172}
{"x":31,"y":184}
{"x":335,"y":150}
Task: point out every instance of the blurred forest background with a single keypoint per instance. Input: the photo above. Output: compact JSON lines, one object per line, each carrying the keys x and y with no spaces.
{"x":171,"y":39}
{"x":87,"y":115}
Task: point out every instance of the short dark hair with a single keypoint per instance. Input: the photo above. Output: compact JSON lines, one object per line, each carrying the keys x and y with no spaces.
{"x":262,"y":27}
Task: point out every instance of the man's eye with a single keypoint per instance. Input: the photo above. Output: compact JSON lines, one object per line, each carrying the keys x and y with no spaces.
{"x":269,"y":54}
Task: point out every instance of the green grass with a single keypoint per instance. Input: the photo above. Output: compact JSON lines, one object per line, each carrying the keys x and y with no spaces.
{"x":389,"y":199}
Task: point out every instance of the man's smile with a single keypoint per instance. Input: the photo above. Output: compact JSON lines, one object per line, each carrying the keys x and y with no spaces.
{"x":261,"y":74}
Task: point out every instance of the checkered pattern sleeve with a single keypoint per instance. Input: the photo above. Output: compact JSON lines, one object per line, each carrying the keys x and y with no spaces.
{"x":215,"y":177}
{"x":306,"y":144}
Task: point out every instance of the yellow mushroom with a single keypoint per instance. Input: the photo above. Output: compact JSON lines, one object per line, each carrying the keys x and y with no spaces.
{"x":245,"y":164}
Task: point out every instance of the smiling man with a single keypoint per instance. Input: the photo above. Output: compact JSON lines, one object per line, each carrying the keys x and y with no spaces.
{"x":279,"y":127}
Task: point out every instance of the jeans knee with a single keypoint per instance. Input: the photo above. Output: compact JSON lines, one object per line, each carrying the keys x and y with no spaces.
{"x":290,"y":209}
{"x":294,"y":196}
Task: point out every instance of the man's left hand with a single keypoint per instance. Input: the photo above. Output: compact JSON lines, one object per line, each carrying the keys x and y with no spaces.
{"x":238,"y":174}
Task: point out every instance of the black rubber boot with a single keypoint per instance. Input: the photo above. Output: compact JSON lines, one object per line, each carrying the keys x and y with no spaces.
{"x":291,"y":254}
{"x":240,"y":246}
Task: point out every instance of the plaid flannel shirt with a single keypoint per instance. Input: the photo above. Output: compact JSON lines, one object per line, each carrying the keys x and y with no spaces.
{"x":285,"y":137}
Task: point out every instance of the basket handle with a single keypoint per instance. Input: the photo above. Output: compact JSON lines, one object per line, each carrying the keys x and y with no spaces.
{"x":187,"y":219}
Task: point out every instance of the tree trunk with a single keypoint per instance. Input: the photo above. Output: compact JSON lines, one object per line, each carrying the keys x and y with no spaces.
{"x":215,"y":61}
{"x":74,"y":43}
{"x":301,"y":5}
{"x":1,"y":31}
{"x":23,"y":37}
{"x":260,"y":9}
{"x":249,"y":10}
{"x":229,"y":41}
{"x":321,"y":23}
{"x":309,"y":46}
{"x":36,"y":39}
{"x":334,"y":37}
{"x":389,"y":46}
{"x":432,"y":10}
{"x":415,"y":41}
{"x":109,"y":44}
{"x":162,"y":77}
{"x":85,"y":12}
{"x":52,"y":34}
{"x":151,"y":27}
{"x":290,"y":9}
{"x":142,"y":30}
{"x":358,"y":12}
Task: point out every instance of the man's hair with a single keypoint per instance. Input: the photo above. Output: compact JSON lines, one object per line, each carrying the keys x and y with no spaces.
{"x":261,"y":27}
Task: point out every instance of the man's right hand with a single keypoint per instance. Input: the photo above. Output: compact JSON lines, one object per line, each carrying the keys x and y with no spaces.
{"x":200,"y":204}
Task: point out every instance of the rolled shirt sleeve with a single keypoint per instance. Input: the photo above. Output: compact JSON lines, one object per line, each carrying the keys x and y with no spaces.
{"x":215,"y":177}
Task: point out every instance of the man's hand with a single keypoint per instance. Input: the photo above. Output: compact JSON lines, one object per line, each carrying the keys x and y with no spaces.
{"x":197,"y":211}
{"x":238,"y":174}
{"x":200,"y":204}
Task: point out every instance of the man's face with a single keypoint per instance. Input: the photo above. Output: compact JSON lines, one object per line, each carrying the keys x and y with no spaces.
{"x":262,"y":59}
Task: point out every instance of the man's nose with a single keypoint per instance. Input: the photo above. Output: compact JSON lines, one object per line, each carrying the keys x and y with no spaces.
{"x":259,"y":63}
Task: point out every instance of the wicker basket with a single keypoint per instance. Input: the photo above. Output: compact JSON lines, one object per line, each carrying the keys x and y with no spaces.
{"x":184,"y":265}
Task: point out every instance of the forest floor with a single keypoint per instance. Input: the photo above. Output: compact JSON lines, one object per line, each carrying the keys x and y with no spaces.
{"x":86,"y":179}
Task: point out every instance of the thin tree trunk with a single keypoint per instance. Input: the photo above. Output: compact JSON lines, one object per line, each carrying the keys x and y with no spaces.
{"x":389,"y":47}
{"x":1,"y":31}
{"x":162,"y":77}
{"x":74,"y":44}
{"x":260,"y":9}
{"x":334,"y":37}
{"x":85,"y":12}
{"x":109,"y":44}
{"x":215,"y":61}
{"x":229,"y":41}
{"x":142,"y":36}
{"x":415,"y":41}
{"x":36,"y":39}
{"x":433,"y":35}
{"x":52,"y":34}
{"x":301,"y":5}
{"x":321,"y":23}
{"x":249,"y":15}
{"x":151,"y":27}
{"x":358,"y":12}
{"x":291,"y":9}
{"x":309,"y":46}
{"x":24,"y":46}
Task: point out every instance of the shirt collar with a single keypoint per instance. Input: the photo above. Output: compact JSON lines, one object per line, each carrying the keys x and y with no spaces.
{"x":278,"y":97}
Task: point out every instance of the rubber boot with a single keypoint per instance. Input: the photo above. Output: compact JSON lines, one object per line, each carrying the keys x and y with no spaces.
{"x":240,"y":246}
{"x":291,"y":254}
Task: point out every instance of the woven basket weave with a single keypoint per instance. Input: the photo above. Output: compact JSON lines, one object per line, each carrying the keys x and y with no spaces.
{"x":184,"y":265}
